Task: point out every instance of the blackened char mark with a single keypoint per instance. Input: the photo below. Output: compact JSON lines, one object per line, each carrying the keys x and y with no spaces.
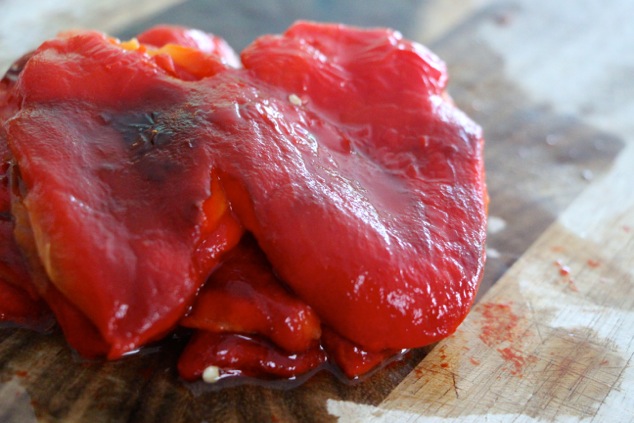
{"x":141,"y":131}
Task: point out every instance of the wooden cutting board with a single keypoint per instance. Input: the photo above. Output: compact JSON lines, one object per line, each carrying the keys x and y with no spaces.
{"x":551,"y":336}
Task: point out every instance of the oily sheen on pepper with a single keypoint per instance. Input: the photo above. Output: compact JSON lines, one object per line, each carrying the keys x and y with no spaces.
{"x":333,"y":152}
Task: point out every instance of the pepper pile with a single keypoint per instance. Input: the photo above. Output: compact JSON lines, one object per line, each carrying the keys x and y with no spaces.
{"x":317,"y":199}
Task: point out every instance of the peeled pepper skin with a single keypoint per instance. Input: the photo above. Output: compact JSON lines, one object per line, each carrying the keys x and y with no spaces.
{"x":336,"y":147}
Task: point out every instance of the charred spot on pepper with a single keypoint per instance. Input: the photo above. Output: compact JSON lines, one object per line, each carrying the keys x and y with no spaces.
{"x":141,"y":131}
{"x":151,"y":132}
{"x":147,"y":131}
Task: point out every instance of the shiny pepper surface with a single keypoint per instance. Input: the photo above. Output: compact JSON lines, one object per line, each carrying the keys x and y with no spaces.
{"x":139,"y":165}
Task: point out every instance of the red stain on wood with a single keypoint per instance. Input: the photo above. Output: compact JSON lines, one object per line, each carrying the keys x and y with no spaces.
{"x":443,"y":352}
{"x":564,"y":270}
{"x":499,"y":323}
{"x":500,"y":331}
{"x":572,"y":285}
{"x":418,"y":372}
{"x":21,"y":373}
{"x":474,"y":361}
{"x":516,"y":359}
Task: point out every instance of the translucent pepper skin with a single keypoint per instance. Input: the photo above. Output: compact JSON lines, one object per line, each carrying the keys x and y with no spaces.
{"x":336,"y":147}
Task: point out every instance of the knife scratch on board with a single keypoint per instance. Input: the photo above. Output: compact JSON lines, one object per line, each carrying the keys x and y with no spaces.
{"x":455,"y":385}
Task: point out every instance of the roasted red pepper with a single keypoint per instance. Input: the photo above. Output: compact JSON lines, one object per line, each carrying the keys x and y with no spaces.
{"x":117,"y":195}
{"x":138,"y":165}
{"x":372,"y":203}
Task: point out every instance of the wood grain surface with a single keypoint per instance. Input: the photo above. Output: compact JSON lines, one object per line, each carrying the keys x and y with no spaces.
{"x":551,"y":337}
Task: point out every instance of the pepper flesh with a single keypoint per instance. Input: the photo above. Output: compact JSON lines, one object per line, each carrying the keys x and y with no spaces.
{"x":140,"y":164}
{"x":377,"y":176}
{"x":117,"y":237}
